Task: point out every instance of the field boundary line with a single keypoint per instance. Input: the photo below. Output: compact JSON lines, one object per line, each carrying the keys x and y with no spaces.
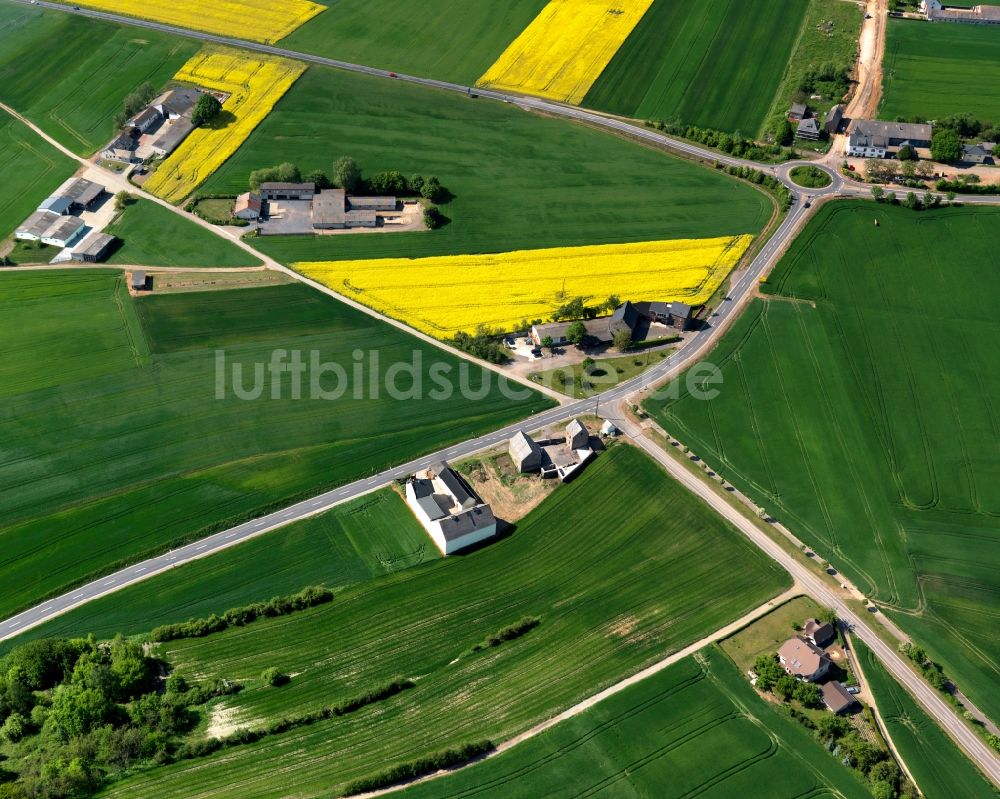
{"x":611,"y":690}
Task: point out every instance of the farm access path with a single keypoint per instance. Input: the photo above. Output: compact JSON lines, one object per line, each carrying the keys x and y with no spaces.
{"x":700,"y":343}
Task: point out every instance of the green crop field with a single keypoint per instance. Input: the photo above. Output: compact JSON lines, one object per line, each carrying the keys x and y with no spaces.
{"x":453,"y":40}
{"x":859,"y":408}
{"x":520,"y":181}
{"x":936,"y":69}
{"x":689,"y":61}
{"x":615,"y":581}
{"x":116,"y":444}
{"x":371,"y":536}
{"x":70,"y":75}
{"x":939,"y":768}
{"x":694,"y":729}
{"x":30,"y":170}
{"x":154,"y":236}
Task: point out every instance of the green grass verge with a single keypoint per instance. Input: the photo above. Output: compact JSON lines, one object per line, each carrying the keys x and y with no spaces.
{"x":767,"y":634}
{"x":366,"y":538}
{"x":30,"y":170}
{"x":937,"y":69}
{"x":113,"y":453}
{"x":810,"y":177}
{"x":939,"y":768}
{"x":455,"y":40}
{"x":855,"y":408}
{"x":520,"y":181}
{"x":616,"y":583}
{"x":154,"y":236}
{"x":575,"y":381}
{"x":689,"y":61}
{"x":70,"y":75}
{"x":696,"y":728}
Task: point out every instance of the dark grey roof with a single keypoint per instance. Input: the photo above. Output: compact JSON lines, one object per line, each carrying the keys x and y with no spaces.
{"x":360,"y":216}
{"x":373,"y":203}
{"x":836,"y":696}
{"x":178,"y":101}
{"x":893,"y":131}
{"x":95,"y":245}
{"x":148,"y":114}
{"x":279,"y":186}
{"x":456,"y":487}
{"x":65,"y":229}
{"x":680,"y":309}
{"x":328,"y":207}
{"x":178,"y":131}
{"x":819,"y":631}
{"x":461,"y":524}
{"x":124,"y":141}
{"x":808,"y":126}
{"x":798,"y":110}
{"x":36,"y":224}
{"x":80,"y":191}
{"x":626,"y":313}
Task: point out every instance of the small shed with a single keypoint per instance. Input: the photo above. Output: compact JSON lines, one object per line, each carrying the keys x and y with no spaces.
{"x":525,"y":453}
{"x":139,"y":280}
{"x":836,"y":697}
{"x":608,"y":429}
{"x":798,"y":112}
{"x":834,"y":119}
{"x":577,"y":436}
{"x":820,"y":633}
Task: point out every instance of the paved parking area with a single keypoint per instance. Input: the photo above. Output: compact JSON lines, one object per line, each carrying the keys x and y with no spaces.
{"x":287,"y":217}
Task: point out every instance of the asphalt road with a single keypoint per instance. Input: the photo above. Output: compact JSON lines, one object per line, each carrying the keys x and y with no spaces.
{"x":700,"y":342}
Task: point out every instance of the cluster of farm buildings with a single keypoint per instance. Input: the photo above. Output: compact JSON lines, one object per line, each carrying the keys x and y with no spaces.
{"x":326,"y":209}
{"x":936,"y":11}
{"x":455,"y":517}
{"x":805,"y":657}
{"x":56,"y":222}
{"x":628,"y":317}
{"x":157,"y":130}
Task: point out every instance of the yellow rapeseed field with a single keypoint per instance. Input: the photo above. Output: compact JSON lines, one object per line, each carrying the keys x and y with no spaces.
{"x":254,"y":85}
{"x":444,"y":295}
{"x":257,"y":20}
{"x":565,"y":48}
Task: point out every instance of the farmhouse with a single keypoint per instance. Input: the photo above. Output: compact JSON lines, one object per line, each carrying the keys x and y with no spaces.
{"x":64,"y":231}
{"x":834,"y":119}
{"x":808,"y":129}
{"x":121,"y":148}
{"x":977,"y":15}
{"x":822,"y":634}
{"x":176,"y":103}
{"x":287,"y":191}
{"x":672,"y":314}
{"x":836,"y":697}
{"x":872,"y":139}
{"x":803,"y":659}
{"x":452,"y":514}
{"x":627,"y":316}
{"x":248,"y":206}
{"x":977,"y":155}
{"x":93,"y":248}
{"x":525,"y":453}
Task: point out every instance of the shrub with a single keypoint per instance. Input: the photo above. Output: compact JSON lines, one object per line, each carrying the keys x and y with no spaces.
{"x":509,"y":633}
{"x":404,"y":772}
{"x":274,"y":677}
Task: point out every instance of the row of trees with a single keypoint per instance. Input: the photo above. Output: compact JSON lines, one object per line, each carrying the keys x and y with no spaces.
{"x":347,"y":175}
{"x":134,"y":102}
{"x":735,"y":144}
{"x":483,"y":344}
{"x":912,"y":200}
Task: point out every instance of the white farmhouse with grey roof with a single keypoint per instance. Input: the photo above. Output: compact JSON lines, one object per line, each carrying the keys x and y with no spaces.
{"x":453,"y":516}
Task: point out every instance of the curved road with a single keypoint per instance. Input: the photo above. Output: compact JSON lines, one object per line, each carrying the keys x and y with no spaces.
{"x":697,"y":345}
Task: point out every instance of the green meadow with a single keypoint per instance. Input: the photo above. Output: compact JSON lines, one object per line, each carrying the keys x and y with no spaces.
{"x":30,"y":170}
{"x":454,"y":40}
{"x":519,"y":181}
{"x":614,"y":581}
{"x":70,"y":75}
{"x":692,"y":62}
{"x":695,"y":729}
{"x":858,"y":408}
{"x":116,"y":444}
{"x":933,"y":70}
{"x":939,"y":768}
{"x":152,"y":235}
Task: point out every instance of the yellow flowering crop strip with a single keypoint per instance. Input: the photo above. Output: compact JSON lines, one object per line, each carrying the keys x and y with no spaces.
{"x":254,"y":85}
{"x":565,"y":48}
{"x":264,"y":21}
{"x":447,"y":294}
